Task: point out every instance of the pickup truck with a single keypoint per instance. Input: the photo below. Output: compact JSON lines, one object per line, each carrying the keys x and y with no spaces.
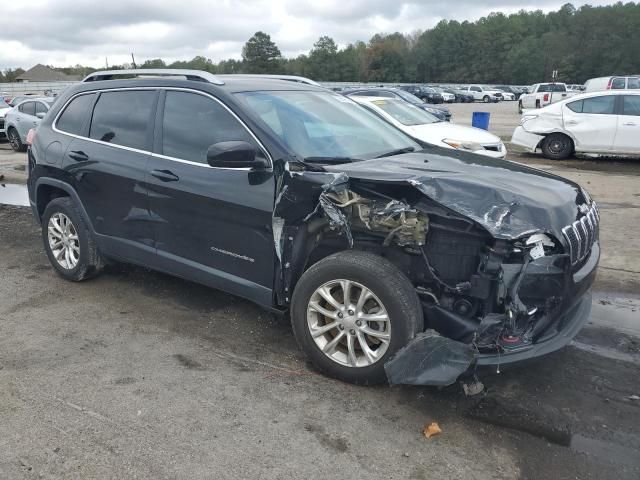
{"x":484,"y":94}
{"x":543,"y":94}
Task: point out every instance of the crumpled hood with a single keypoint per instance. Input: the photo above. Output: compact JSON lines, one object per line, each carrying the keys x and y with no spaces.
{"x":438,"y":131}
{"x":508,"y":199}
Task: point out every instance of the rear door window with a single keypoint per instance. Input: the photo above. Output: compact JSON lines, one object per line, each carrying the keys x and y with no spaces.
{"x":631,"y":105}
{"x":123,"y":118}
{"x":28,"y":108}
{"x":193,"y":122}
{"x":41,"y":108}
{"x":633,"y":83}
{"x":600,"y":105}
{"x":74,"y":115}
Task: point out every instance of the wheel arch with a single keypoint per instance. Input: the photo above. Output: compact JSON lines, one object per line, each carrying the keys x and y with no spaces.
{"x":46,"y":189}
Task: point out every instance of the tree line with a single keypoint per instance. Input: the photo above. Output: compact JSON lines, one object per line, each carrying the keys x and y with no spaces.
{"x":521,"y":48}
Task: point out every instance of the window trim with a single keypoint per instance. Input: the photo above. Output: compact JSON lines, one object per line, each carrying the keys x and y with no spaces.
{"x":54,"y":126}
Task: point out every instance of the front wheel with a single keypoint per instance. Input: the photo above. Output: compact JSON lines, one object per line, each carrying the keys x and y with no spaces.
{"x":557,"y":146}
{"x":351,"y":312}
{"x":486,"y":99}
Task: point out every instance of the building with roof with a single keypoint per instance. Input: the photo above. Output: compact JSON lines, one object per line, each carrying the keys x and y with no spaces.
{"x":42,"y":73}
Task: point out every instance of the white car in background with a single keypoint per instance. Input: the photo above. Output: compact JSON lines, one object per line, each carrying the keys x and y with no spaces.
{"x":4,"y":109}
{"x":426,"y":127}
{"x":600,"y":123}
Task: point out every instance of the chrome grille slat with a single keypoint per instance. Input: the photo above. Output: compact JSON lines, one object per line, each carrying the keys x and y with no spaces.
{"x":582,"y":234}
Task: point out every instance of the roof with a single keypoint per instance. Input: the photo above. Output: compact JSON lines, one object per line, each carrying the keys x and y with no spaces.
{"x":42,"y":73}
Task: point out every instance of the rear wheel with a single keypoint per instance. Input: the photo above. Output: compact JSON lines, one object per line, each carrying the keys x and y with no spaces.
{"x":68,"y":242}
{"x":14,"y":140}
{"x":557,"y":146}
{"x":351,"y":312}
{"x":520,"y":106}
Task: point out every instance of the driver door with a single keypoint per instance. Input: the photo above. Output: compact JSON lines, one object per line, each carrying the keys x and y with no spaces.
{"x":211,"y":225}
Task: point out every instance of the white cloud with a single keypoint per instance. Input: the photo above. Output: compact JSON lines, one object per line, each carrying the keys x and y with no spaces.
{"x":67,"y":32}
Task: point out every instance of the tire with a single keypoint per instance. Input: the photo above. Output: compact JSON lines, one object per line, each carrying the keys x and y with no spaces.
{"x":78,"y":238}
{"x":388,"y":286}
{"x":557,"y":146}
{"x":537,"y":103}
{"x":520,"y":107}
{"x":486,"y":99}
{"x":14,"y":140}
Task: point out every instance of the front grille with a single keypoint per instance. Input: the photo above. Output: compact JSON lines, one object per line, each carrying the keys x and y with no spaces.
{"x":582,"y":233}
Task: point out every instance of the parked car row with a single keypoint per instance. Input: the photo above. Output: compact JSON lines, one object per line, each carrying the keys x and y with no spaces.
{"x":27,"y":113}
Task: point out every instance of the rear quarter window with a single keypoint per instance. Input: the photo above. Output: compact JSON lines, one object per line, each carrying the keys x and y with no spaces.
{"x":618,"y":83}
{"x":75,"y":113}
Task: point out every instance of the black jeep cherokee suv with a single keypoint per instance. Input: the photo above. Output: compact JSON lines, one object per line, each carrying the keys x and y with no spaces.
{"x":398,"y":261}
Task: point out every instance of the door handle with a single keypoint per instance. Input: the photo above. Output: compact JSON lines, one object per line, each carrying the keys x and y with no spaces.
{"x":629,"y":124}
{"x":165,"y":175}
{"x":78,"y":156}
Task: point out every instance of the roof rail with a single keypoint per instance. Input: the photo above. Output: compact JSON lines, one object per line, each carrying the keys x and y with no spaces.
{"x":290,"y":78}
{"x":196,"y":75}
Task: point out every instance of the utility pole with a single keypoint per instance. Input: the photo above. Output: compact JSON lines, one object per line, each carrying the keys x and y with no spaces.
{"x":133,"y":60}
{"x":106,"y":62}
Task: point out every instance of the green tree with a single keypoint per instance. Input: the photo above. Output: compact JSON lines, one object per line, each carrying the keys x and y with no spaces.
{"x":261,"y":55}
{"x":323,"y":60}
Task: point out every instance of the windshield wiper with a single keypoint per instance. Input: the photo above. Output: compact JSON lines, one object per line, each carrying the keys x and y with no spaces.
{"x":397,"y":152}
{"x":330,"y":160}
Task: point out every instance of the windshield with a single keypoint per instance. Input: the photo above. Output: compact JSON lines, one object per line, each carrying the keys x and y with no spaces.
{"x":405,"y":113}
{"x":325,"y":125}
{"x":409,"y":97}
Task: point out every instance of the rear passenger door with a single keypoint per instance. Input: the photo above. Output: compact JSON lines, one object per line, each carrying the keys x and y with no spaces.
{"x":212,"y":225}
{"x":108,"y":162}
{"x":628,"y":133}
{"x":592,"y":122}
{"x":26,"y":119}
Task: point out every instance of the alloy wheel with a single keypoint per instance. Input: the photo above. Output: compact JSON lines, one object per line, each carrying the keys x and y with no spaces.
{"x":14,"y":140}
{"x":63,"y":241}
{"x":348,"y":323}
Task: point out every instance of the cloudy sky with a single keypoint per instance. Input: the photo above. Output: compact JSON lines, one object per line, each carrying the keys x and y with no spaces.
{"x":68,"y":32}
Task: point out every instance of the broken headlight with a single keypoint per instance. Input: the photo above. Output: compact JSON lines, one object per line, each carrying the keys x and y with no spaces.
{"x":462,"y":145}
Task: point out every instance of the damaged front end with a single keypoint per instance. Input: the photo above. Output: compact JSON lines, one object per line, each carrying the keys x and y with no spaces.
{"x":494,"y":287}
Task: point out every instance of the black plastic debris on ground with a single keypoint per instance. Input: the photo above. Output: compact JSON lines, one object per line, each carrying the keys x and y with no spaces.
{"x":429,"y":359}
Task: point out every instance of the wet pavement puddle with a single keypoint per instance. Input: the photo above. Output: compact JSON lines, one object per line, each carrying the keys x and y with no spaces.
{"x":501,"y":413}
{"x":11,"y":194}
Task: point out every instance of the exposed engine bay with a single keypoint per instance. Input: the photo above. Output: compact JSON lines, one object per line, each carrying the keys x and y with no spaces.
{"x":480,"y":294}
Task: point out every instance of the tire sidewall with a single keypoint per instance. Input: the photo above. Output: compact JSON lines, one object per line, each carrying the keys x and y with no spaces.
{"x":65,"y":205}
{"x":557,"y":156}
{"x":402,"y":329}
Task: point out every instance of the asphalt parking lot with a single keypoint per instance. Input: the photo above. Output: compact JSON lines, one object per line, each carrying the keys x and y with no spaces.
{"x":139,"y":375}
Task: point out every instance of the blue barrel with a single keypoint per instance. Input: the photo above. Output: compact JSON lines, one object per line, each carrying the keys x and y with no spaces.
{"x":480,"y":120}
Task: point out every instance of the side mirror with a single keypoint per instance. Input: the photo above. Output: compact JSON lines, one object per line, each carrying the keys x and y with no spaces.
{"x":235,"y":154}
{"x":40,"y":115}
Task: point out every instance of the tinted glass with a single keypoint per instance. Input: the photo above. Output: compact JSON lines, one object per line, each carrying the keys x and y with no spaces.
{"x":602,"y":105}
{"x":192,"y":123}
{"x":475,"y":89}
{"x":633,"y":83}
{"x":406,"y":96}
{"x":618,"y":83}
{"x":322,"y":124}
{"x":552,"y":87}
{"x":40,"y":108}
{"x":631,"y":105}
{"x":73,"y":117}
{"x":123,"y":117}
{"x":28,"y":108}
